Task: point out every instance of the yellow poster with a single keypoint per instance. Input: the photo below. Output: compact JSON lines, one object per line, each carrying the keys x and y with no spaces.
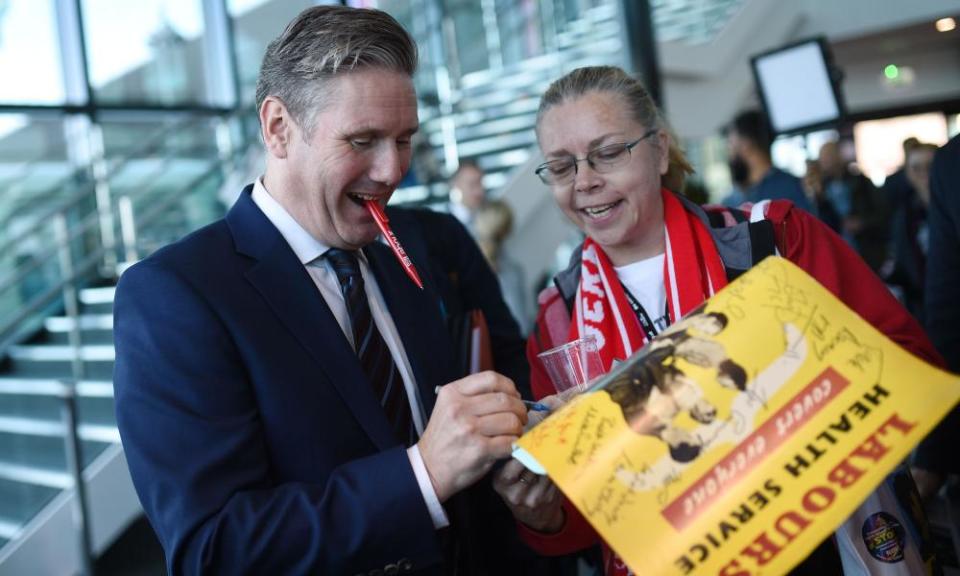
{"x":745,"y":434}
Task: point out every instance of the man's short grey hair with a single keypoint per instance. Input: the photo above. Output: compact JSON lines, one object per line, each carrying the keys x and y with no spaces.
{"x":324,"y":41}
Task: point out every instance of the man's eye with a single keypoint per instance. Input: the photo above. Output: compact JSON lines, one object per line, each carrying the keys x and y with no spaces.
{"x":361,"y":142}
{"x":560,"y":169}
{"x":403,"y":143}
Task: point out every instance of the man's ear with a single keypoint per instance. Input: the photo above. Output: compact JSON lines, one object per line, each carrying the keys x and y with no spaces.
{"x":276,"y":126}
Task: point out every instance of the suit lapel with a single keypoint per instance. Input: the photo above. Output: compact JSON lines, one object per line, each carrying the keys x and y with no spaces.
{"x":290,"y":292}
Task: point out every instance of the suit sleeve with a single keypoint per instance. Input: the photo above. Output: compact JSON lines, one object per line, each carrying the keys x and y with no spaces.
{"x":824,"y":255}
{"x":197,"y":453}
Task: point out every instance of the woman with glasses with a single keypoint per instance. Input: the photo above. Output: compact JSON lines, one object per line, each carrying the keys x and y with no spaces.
{"x":649,"y":257}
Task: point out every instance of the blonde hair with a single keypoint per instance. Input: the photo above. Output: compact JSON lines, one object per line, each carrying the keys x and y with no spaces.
{"x":492,"y":225}
{"x":614,"y":80}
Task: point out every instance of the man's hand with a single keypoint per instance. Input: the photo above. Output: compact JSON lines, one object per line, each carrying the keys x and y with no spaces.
{"x":474,"y":423}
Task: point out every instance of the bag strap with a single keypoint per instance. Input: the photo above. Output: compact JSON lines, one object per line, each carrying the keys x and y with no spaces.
{"x":763,"y":240}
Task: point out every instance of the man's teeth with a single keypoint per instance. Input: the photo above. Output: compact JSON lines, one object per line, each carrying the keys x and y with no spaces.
{"x":598,"y":210}
{"x":363,"y":196}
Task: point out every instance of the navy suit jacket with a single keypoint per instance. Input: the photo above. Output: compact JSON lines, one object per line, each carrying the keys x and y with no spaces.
{"x":253,"y":438}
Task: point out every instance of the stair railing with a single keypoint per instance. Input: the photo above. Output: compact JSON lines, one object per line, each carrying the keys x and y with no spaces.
{"x":75,"y":269}
{"x":78,"y":251}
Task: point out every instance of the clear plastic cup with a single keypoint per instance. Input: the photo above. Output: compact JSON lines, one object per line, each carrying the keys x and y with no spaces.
{"x":573,"y":365}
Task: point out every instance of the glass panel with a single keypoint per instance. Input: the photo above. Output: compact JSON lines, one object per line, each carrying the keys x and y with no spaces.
{"x":185,"y":200}
{"x":148,"y":52}
{"x":521,"y":34}
{"x":37,"y":179}
{"x":255,"y":24}
{"x":20,"y":502}
{"x":34,"y":172}
{"x":44,"y":452}
{"x":157,"y":135}
{"x":469,"y":33}
{"x":29,"y":48}
{"x":691,"y":22}
{"x":155,"y":160}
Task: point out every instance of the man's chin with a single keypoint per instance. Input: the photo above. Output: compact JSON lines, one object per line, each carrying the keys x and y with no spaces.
{"x":359,"y":236}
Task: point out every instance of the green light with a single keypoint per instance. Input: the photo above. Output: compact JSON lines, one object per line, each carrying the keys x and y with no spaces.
{"x":891,"y":71}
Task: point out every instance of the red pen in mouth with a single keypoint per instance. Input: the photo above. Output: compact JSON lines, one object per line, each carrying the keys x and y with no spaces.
{"x":380,"y":217}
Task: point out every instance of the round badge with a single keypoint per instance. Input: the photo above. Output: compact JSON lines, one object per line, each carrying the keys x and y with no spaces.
{"x":884,"y":537}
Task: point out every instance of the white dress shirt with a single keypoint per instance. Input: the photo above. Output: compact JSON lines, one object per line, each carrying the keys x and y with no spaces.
{"x":310,"y":251}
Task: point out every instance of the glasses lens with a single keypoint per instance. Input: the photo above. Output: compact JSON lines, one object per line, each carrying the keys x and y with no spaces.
{"x":607,"y":157}
{"x":556,"y":171}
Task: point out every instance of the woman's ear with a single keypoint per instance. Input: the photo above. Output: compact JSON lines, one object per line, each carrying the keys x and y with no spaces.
{"x":665,"y":140}
{"x":276,"y":126}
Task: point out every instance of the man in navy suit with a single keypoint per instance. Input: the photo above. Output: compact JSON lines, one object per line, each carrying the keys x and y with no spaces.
{"x":261,"y":436}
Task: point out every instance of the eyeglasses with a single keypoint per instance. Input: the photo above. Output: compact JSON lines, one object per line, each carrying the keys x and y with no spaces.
{"x":602,"y":160}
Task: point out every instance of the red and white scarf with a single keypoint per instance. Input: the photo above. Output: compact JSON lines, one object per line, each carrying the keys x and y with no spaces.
{"x":692,"y":272}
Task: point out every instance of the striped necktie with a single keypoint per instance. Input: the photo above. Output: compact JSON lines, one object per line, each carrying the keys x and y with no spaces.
{"x":375,"y":358}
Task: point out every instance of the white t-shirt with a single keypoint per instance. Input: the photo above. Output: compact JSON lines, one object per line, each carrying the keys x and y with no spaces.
{"x":644,"y":280}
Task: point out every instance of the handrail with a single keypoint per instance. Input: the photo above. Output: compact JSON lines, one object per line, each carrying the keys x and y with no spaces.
{"x":152,"y":144}
{"x":13,"y":279}
{"x":89,"y":222}
{"x":158,"y":208}
{"x":9,"y":330}
{"x":26,"y":166}
{"x":117,"y":163}
{"x":75,"y":174}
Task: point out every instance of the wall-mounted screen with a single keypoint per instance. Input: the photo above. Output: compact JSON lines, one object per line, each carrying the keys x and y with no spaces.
{"x":797,"y":87}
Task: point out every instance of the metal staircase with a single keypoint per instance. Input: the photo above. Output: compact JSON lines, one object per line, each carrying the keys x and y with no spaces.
{"x":56,"y":344}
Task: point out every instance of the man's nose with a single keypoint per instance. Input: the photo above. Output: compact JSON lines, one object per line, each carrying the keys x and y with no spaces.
{"x":389,"y":164}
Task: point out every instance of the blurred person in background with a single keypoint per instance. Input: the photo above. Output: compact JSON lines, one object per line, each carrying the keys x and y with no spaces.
{"x":739,"y":180}
{"x":749,"y":138}
{"x":897,"y":186}
{"x":493,"y":224}
{"x":822,"y":206}
{"x":467,"y":194}
{"x":424,"y":168}
{"x":613,"y":168}
{"x":856,"y":202}
{"x":909,"y":233}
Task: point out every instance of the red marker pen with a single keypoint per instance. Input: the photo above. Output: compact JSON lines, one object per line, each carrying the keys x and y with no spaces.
{"x":381,"y":219}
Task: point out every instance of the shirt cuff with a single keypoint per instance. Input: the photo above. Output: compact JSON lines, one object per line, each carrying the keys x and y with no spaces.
{"x":437,"y":513}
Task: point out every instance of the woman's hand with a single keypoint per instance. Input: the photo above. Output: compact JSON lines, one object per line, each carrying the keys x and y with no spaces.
{"x":533,"y":499}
